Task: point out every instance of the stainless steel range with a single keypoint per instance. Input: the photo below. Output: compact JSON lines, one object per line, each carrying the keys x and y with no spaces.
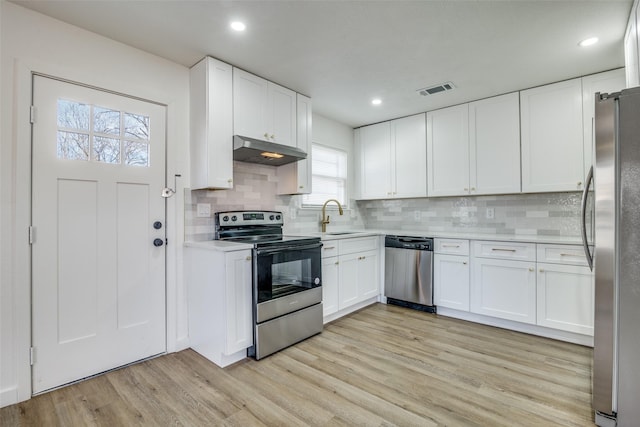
{"x":287,"y":278}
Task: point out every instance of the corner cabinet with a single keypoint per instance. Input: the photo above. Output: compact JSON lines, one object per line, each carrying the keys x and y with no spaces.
{"x":219,"y":301}
{"x":295,"y":178}
{"x":211,"y":124}
{"x":262,"y":109}
{"x":552,"y":137}
{"x":392,"y":159}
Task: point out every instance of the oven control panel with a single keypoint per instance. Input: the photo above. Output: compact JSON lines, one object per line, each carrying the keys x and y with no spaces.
{"x":244,"y":218}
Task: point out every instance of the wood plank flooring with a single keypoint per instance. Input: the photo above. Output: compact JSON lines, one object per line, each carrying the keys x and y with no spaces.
{"x":381,"y":366}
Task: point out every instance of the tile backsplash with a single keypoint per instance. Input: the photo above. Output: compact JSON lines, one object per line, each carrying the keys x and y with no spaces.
{"x":552,"y":214}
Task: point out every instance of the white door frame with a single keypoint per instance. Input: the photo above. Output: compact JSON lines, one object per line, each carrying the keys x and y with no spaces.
{"x":24,"y":70}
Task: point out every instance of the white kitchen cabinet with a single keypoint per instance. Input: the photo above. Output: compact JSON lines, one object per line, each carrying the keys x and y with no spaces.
{"x":607,"y":82}
{"x":330,"y":283}
{"x":393,"y":159}
{"x":448,"y":151}
{"x":219,"y":301}
{"x":263,"y":110}
{"x":552,"y":137}
{"x":350,"y":272}
{"x":494,"y":144}
{"x":565,"y":297}
{"x":565,"y":289}
{"x":503,"y":281}
{"x":451,"y":281}
{"x":211,"y":125}
{"x":631,"y":46}
{"x":374,"y":146}
{"x":295,"y":178}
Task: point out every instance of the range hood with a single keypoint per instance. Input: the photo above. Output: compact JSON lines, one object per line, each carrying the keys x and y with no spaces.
{"x":253,"y":150}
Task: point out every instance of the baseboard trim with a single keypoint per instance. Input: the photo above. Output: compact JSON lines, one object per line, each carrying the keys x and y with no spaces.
{"x":8,"y":396}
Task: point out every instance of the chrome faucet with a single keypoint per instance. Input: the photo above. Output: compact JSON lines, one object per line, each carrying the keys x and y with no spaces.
{"x":325,"y":217}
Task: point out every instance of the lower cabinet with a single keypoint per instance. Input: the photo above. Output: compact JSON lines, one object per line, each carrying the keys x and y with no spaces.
{"x":219,"y":300}
{"x":505,"y":289}
{"x":352,"y":276}
{"x":566,"y":297}
{"x":451,"y":281}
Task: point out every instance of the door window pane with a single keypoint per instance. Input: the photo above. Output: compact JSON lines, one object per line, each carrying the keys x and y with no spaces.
{"x":136,"y":126}
{"x":136,"y":153}
{"x":73,"y":146}
{"x":73,"y":115}
{"x":106,"y":150}
{"x":106,"y":121}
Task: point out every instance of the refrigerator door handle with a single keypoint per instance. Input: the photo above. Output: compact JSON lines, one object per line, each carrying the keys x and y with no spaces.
{"x":585,"y":243}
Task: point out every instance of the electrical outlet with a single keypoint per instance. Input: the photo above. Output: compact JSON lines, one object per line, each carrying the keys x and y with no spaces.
{"x":417,"y":215}
{"x":203,"y":210}
{"x":491,"y":213}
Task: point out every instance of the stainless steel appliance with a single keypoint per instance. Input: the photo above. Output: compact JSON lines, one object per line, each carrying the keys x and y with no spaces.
{"x":287,"y":279}
{"x":265,"y":152}
{"x":616,"y":179}
{"x":408,"y":272}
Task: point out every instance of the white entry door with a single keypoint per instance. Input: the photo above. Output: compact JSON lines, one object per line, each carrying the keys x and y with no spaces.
{"x":98,"y":276}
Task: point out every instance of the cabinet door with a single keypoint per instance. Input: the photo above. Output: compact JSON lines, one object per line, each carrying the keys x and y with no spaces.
{"x":368,"y":275}
{"x":607,"y":82}
{"x":295,"y":178}
{"x":250,"y":105}
{"x":552,"y":147}
{"x":566,"y":298}
{"x":494,"y":144}
{"x":631,"y":62}
{"x":238,"y":299}
{"x":375,"y":161}
{"x":347,"y":280}
{"x":504,"y":289}
{"x":211,"y":125}
{"x":410,"y":156}
{"x":282,"y":115}
{"x":330,"y":281}
{"x":448,"y":151}
{"x":451,"y":281}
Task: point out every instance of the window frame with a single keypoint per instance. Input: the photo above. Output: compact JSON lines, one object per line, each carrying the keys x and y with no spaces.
{"x":345,"y":204}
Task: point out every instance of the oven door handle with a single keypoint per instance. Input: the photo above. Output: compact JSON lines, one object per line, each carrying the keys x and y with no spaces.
{"x":277,"y":249}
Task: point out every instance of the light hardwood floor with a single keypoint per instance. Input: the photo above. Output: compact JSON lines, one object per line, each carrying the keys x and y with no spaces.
{"x":381,"y":366}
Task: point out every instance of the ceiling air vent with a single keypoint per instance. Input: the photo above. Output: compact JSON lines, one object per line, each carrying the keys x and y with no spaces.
{"x":432,"y":90}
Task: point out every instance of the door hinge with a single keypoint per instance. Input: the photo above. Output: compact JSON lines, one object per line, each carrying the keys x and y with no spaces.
{"x":32,"y":114}
{"x":31,"y":235}
{"x":32,"y":356}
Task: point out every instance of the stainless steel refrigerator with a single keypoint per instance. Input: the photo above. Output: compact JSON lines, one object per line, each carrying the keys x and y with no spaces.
{"x":616,"y":259}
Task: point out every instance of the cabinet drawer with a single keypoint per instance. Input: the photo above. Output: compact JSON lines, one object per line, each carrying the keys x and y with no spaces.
{"x":329,"y":248}
{"x":348,"y":246}
{"x":505,"y":250}
{"x":452,"y":246}
{"x":562,"y":254}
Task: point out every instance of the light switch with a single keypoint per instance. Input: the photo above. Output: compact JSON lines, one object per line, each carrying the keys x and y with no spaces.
{"x":491,"y":213}
{"x":203,"y":210}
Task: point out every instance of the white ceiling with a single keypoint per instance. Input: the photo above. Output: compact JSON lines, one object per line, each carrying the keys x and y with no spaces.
{"x":344,"y":53}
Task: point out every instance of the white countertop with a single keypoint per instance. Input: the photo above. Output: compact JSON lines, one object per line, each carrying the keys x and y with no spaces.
{"x":526,"y":238}
{"x":219,"y":245}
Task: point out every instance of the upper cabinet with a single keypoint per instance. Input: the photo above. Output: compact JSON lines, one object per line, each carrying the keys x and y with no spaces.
{"x":448,"y":151}
{"x":475,"y":148}
{"x":392,"y":159}
{"x":295,"y":178}
{"x":607,"y":82}
{"x":263,"y":110}
{"x":552,"y":137}
{"x":631,"y":46}
{"x":211,"y":125}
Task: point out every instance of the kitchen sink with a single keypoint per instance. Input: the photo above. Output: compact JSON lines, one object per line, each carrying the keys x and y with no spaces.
{"x":340,"y":233}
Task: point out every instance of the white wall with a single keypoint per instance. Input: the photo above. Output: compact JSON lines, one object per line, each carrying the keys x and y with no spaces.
{"x":31,"y":42}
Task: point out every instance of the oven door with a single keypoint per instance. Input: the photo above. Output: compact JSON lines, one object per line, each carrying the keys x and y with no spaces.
{"x":286,"y":278}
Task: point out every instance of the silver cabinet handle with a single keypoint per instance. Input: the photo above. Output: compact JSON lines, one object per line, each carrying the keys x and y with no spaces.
{"x":248,"y":258}
{"x":444,"y":245}
{"x":530,"y":268}
{"x":542,"y":270}
{"x":329,"y":247}
{"x":464,"y":262}
{"x":503,"y":250}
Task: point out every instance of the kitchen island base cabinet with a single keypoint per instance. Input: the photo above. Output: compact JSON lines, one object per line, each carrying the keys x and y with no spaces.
{"x":219,"y":301}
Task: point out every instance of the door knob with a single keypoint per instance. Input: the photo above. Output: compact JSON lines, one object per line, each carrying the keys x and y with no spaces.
{"x":158,"y":242}
{"x":157,"y":225}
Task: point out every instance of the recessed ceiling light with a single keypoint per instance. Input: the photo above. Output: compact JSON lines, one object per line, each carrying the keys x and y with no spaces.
{"x":238,"y":26}
{"x":376,"y":101}
{"x":588,"y":42}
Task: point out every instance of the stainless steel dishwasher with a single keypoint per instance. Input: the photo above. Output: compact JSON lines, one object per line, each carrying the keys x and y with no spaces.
{"x":408,"y":272}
